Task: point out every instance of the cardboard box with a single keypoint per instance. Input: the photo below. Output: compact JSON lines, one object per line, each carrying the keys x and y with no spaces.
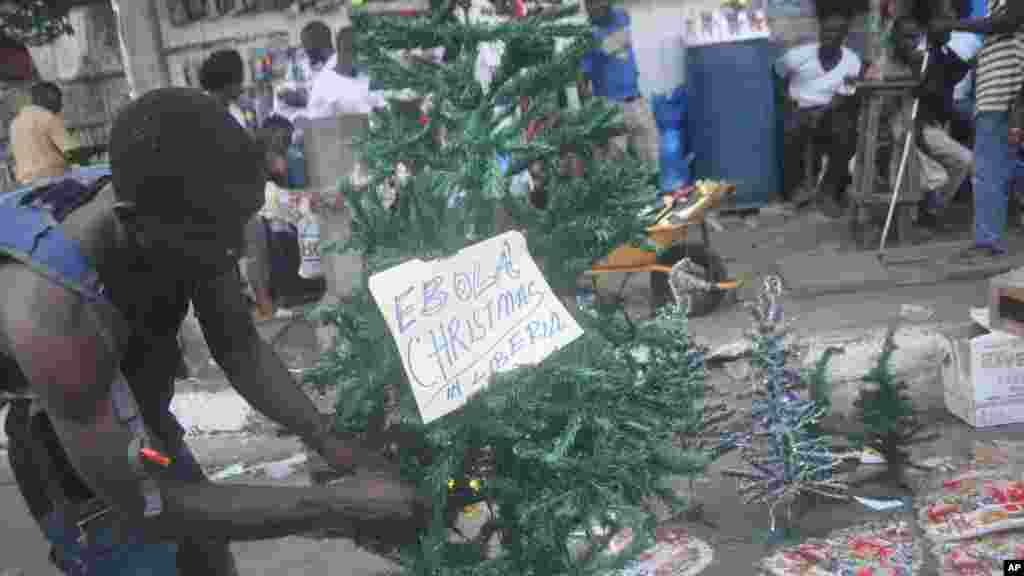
{"x":983,"y":378}
{"x":1006,"y":302}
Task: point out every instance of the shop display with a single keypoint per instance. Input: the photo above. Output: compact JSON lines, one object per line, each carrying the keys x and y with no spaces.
{"x":720,"y":26}
{"x":874,"y":549}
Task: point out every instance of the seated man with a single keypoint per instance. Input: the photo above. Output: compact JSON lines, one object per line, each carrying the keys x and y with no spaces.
{"x":39,"y":138}
{"x":945,"y":70}
{"x":278,"y":208}
{"x":815,"y":75}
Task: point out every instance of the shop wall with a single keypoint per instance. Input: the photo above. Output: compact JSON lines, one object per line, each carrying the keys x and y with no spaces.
{"x":87,"y":66}
{"x":185,"y":46}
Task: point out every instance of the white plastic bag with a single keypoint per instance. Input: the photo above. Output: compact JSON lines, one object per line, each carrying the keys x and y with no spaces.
{"x":309,"y":244}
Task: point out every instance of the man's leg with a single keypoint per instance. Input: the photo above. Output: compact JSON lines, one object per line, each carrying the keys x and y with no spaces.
{"x":838,"y":132}
{"x":993,"y":168}
{"x":796,"y":138}
{"x":957,"y":160}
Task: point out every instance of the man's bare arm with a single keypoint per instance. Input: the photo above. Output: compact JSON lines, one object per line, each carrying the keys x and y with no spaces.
{"x":250,"y":364}
{"x":59,"y":345}
{"x":256,"y":371}
{"x":60,"y":136}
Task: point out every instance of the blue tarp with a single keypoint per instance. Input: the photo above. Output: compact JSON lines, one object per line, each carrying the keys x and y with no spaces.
{"x":670,"y":116}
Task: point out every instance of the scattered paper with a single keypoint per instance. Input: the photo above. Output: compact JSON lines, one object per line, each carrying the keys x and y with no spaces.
{"x":916,"y":312}
{"x":284,"y":468}
{"x":871,"y":456}
{"x":229,"y":472}
{"x":879,"y":505}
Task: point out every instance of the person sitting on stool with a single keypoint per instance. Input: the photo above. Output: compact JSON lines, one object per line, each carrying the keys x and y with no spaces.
{"x":815,"y":75}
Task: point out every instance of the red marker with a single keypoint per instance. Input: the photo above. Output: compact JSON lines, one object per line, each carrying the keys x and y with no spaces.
{"x":155,"y":457}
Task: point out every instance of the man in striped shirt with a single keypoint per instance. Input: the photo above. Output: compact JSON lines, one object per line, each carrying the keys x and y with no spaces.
{"x":999,"y":78}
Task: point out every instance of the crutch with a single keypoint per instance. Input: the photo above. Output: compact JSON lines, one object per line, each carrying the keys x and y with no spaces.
{"x":908,"y":145}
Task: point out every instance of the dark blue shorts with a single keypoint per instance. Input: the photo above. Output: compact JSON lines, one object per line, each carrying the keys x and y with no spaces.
{"x":125,"y":553}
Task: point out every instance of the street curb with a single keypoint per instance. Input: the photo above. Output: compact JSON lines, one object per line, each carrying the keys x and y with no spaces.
{"x":737,"y":349}
{"x":924,"y":277}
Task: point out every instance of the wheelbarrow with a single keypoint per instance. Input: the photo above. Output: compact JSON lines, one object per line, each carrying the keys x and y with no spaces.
{"x":704,"y":269}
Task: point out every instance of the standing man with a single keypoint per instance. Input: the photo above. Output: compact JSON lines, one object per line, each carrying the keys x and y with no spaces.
{"x":39,"y":138}
{"x":818,"y":78}
{"x":610,"y":72}
{"x":999,"y":78}
{"x":222,"y":75}
{"x":336,"y":91}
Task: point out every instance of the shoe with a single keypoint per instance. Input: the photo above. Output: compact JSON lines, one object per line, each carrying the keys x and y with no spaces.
{"x":930,"y":221}
{"x":832,"y":209}
{"x":803,"y":197}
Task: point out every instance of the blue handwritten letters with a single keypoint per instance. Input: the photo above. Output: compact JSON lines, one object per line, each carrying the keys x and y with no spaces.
{"x":458,"y":321}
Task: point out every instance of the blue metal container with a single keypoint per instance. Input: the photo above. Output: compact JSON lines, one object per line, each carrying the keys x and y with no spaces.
{"x":732,"y":122}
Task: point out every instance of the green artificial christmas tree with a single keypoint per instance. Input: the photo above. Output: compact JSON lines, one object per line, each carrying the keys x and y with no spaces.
{"x":550,"y":460}
{"x":891,"y":424}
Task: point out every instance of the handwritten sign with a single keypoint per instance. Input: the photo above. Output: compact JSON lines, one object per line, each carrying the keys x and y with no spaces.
{"x":460,"y":320}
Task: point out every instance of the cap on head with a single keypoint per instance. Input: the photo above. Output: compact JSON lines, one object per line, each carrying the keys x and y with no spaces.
{"x":177,"y":151}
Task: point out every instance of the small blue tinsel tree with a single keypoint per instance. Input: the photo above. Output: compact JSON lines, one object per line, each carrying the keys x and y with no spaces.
{"x":784,"y":455}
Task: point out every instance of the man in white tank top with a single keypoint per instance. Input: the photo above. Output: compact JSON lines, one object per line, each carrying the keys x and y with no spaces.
{"x":817,"y":77}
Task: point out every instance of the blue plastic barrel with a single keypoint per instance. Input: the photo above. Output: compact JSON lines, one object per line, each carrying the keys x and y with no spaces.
{"x":732,"y":127}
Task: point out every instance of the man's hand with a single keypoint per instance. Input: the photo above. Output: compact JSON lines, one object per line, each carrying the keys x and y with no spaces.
{"x":1017,"y":121}
{"x":392,"y":514}
{"x":348,"y":454}
{"x":386,"y":498}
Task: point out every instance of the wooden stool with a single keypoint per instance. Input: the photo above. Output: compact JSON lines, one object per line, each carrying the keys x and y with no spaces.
{"x":871,"y":191}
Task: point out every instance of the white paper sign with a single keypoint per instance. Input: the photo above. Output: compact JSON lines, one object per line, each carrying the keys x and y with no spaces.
{"x":458,"y":321}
